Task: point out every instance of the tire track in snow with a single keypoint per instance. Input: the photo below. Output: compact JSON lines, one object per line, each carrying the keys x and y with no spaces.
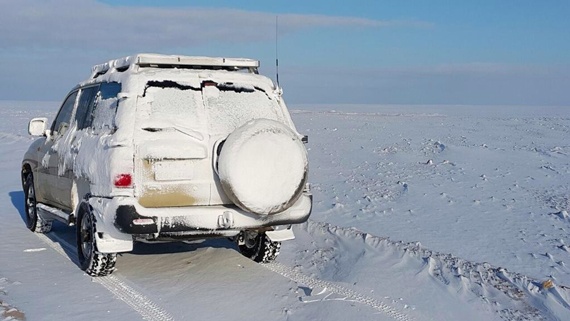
{"x":297,"y":277}
{"x":511,"y":295}
{"x":139,"y":302}
{"x":115,"y":284}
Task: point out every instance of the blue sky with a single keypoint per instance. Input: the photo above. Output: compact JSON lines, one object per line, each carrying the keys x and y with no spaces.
{"x":375,"y":52}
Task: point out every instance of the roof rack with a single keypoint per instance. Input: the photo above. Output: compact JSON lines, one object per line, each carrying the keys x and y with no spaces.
{"x":174,"y":61}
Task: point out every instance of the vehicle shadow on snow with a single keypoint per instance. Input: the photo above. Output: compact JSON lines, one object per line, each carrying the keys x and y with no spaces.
{"x":180,"y":247}
{"x":17,"y":198}
{"x":60,"y":233}
{"x":65,"y":237}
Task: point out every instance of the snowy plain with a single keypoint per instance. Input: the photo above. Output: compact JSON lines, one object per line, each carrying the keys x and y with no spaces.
{"x":420,"y":213}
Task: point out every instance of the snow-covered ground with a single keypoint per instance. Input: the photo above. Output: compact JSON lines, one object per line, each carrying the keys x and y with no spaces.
{"x":420,"y":213}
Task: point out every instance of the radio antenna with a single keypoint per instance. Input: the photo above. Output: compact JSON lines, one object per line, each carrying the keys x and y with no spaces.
{"x":277,"y":49}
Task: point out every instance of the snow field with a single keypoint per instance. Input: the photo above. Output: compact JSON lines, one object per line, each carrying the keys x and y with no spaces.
{"x":147,"y":309}
{"x":358,"y":260}
{"x":479,"y":186}
{"x":421,"y":213}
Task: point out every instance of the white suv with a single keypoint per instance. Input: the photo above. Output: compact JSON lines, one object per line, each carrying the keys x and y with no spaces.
{"x":168,"y":148}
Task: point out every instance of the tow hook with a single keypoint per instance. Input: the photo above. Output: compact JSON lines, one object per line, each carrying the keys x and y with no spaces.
{"x":226,"y":220}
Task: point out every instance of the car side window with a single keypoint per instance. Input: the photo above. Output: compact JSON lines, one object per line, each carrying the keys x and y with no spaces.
{"x":61,"y":122}
{"x":85,"y":105}
{"x":102,"y":111}
{"x":110,"y":90}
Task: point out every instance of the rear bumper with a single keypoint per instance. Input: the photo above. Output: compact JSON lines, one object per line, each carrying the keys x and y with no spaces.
{"x":131,"y":218}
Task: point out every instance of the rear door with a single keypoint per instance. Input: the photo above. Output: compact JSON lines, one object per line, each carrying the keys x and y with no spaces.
{"x":172,"y":152}
{"x":178,"y":128}
{"x":67,"y":151}
{"x":48,"y":175}
{"x":56,"y":169}
{"x":229,"y":106}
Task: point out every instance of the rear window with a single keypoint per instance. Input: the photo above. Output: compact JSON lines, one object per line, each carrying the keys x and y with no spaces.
{"x":229,"y":106}
{"x":174,"y":103}
{"x":221,"y":108}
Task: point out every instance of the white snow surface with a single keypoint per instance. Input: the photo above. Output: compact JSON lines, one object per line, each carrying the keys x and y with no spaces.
{"x":420,"y":213}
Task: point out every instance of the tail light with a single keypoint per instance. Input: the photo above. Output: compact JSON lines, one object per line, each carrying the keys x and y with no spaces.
{"x":123,"y":180}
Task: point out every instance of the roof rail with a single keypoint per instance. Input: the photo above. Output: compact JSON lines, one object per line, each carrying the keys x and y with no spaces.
{"x":175,"y":61}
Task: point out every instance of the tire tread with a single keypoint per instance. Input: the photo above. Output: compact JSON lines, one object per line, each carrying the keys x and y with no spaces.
{"x":99,"y":264}
{"x":37,"y":224}
{"x":264,"y":250}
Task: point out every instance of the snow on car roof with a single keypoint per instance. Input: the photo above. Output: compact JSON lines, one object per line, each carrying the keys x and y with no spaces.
{"x":176,"y":61}
{"x":133,"y":72}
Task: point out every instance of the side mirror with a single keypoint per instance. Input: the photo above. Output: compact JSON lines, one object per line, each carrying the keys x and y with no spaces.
{"x":37,"y":126}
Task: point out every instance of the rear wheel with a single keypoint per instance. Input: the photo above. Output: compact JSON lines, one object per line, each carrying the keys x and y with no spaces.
{"x":258,"y":247}
{"x":91,"y":260}
{"x":34,"y":222}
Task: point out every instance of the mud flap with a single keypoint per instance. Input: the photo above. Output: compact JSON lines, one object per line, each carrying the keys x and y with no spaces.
{"x":109,"y":244}
{"x":280,"y":235}
{"x":108,"y":238}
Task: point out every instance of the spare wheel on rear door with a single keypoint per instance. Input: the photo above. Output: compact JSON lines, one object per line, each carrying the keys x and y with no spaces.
{"x":263,"y":166}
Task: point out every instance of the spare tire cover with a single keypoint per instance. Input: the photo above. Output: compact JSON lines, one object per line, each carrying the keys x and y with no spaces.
{"x":263,"y":166}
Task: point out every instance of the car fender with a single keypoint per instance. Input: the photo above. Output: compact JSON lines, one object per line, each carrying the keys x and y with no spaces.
{"x":108,"y":238}
{"x":31,"y":156}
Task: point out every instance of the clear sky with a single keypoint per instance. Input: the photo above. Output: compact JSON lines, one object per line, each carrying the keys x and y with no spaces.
{"x":503,"y":52}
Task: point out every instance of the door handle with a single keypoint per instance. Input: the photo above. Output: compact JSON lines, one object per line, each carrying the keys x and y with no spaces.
{"x":74,"y":146}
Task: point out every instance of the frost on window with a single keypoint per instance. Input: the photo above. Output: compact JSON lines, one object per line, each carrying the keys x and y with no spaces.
{"x":172,"y":102}
{"x":230,"y":106}
{"x":175,"y":104}
{"x":101,"y":117}
{"x":83,"y":114}
{"x":171,"y":106}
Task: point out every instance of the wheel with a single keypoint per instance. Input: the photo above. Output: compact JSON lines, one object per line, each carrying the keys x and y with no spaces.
{"x":34,"y":222}
{"x":91,"y":260}
{"x":258,"y":247}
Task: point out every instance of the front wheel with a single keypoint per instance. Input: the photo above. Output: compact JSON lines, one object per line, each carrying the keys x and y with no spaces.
{"x":258,"y":247}
{"x":91,"y":260}
{"x":34,"y":222}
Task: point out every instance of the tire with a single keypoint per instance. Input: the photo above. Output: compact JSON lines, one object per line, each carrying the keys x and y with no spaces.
{"x":34,"y":222}
{"x":263,"y":167}
{"x":93,"y":262}
{"x":258,"y":247}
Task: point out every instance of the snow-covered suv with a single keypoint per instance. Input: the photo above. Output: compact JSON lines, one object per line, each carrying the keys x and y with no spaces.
{"x":168,"y":148}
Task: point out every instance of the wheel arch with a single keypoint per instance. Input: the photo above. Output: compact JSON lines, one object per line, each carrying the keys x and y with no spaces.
{"x":80,"y":191}
{"x":26,"y":169}
{"x":109,"y":238}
